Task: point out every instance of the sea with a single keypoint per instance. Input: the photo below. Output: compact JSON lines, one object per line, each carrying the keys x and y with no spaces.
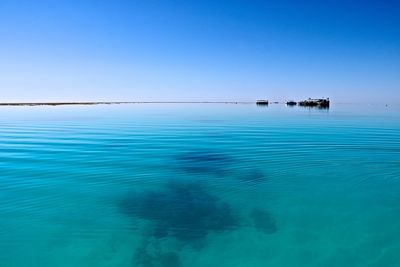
{"x":196,"y":185}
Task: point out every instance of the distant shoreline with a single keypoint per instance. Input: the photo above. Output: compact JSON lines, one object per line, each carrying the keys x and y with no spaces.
{"x":118,"y":103}
{"x":88,"y":103}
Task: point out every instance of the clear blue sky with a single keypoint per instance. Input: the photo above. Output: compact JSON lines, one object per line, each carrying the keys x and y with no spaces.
{"x":199,"y":50}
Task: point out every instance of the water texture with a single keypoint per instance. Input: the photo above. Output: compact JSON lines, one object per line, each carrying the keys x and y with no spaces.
{"x":168,"y":185}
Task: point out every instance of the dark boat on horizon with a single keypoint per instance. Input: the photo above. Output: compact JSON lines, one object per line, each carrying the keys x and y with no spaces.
{"x":291,"y":103}
{"x":262,"y":102}
{"x":321,"y":102}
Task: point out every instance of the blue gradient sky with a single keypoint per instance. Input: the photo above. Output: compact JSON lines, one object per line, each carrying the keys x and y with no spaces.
{"x":199,"y":50}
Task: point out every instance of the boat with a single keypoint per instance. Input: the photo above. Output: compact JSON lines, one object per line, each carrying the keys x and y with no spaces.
{"x":291,"y":103}
{"x":262,"y":102}
{"x":320,"y":102}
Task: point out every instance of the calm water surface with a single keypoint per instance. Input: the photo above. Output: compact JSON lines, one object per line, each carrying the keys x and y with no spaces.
{"x":199,"y":185}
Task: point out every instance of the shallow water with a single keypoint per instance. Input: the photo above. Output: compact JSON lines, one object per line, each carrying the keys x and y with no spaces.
{"x":170,"y":185}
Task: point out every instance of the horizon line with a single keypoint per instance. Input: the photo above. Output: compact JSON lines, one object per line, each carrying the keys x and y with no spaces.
{"x":58,"y":103}
{"x":63,"y":103}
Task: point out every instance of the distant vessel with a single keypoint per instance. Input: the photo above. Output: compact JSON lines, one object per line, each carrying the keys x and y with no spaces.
{"x":262,"y":102}
{"x":321,"y":102}
{"x":291,"y":103}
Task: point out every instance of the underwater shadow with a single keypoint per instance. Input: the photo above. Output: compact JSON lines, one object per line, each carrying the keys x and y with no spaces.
{"x":185,"y":211}
{"x":200,"y":161}
{"x":182,"y":214}
{"x":253,"y":177}
{"x":263,"y":221}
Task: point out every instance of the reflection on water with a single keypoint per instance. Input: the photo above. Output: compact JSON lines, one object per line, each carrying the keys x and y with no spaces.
{"x":199,"y":185}
{"x":314,"y":107}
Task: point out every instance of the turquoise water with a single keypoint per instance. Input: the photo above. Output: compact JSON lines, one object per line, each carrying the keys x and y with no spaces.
{"x":199,"y":185}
